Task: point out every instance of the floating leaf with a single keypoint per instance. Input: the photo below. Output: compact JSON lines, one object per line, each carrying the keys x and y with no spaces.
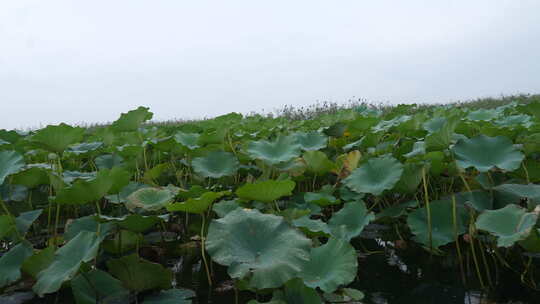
{"x":375,"y":176}
{"x":267,"y":191}
{"x":216,"y":164}
{"x":485,"y":153}
{"x":509,"y":224}
{"x":261,"y":244}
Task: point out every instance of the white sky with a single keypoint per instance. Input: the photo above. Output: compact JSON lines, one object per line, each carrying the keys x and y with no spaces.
{"x":87,"y":61}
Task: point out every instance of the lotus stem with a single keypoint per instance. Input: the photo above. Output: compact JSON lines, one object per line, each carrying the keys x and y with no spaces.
{"x":203,"y":251}
{"x":456,"y":236}
{"x":428,"y":210}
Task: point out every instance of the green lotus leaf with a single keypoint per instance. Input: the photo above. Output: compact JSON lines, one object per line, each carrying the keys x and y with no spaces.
{"x":57,"y":138}
{"x":224,"y":207}
{"x":441,"y":139}
{"x":14,"y":193}
{"x":317,"y":227}
{"x":354,"y":144}
{"x":188,"y":140}
{"x":321,"y":198}
{"x":197,"y":205}
{"x":32,"y":176}
{"x":123,"y":241}
{"x":435,"y":124}
{"x":67,"y":261}
{"x":443,"y":227}
{"x":509,"y":224}
{"x":295,"y":292}
{"x":336,"y":130}
{"x":82,"y":191}
{"x":109,"y":161}
{"x":38,"y":261}
{"x":477,"y":199}
{"x":514,"y":193}
{"x":138,"y":274}
{"x":283,"y":149}
{"x":134,"y":222}
{"x":216,"y":164}
{"x":97,"y":286}
{"x":11,"y":262}
{"x":193,"y":192}
{"x":385,"y":125}
{"x":10,"y":162}
{"x":375,"y":176}
{"x":410,"y":178}
{"x":311,"y":141}
{"x":150,"y":199}
{"x":317,"y":162}
{"x":84,"y":148}
{"x":7,"y":225}
{"x":132,"y":120}
{"x":151,"y":175}
{"x":485,"y":153}
{"x":261,"y":244}
{"x":86,"y":223}
{"x":331,"y":265}
{"x":419,"y":148}
{"x":266,"y":191}
{"x":171,"y":296}
{"x":70,"y":176}
{"x":515,"y":120}
{"x":483,"y":115}
{"x":396,"y":210}
{"x":26,"y":219}
{"x":121,"y":197}
{"x":349,"y":222}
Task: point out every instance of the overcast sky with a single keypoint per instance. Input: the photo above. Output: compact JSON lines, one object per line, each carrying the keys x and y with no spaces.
{"x":87,"y":61}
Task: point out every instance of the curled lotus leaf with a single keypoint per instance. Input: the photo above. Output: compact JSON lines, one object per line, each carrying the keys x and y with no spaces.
{"x":311,"y":141}
{"x":509,"y":224}
{"x":216,"y":164}
{"x":283,"y":149}
{"x":331,"y":265}
{"x":485,"y":153}
{"x":266,"y":191}
{"x":10,"y":162}
{"x":84,"y":148}
{"x":132,"y":120}
{"x":262,"y":248}
{"x":375,"y":176}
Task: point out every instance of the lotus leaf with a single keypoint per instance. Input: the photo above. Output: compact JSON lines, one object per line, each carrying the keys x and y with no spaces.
{"x":25,"y":220}
{"x":216,"y":164}
{"x":477,"y":199}
{"x":67,"y":260}
{"x":188,"y":140}
{"x":97,"y":286}
{"x":483,"y":114}
{"x":82,"y":191}
{"x":354,"y":144}
{"x":109,"y":161}
{"x":261,"y":244}
{"x":171,"y":296}
{"x":134,"y":222}
{"x":57,"y":138}
{"x":410,"y":178}
{"x":15,"y":193}
{"x":375,"y":176}
{"x":485,"y":153}
{"x":32,"y":176}
{"x":38,"y":261}
{"x":224,"y":207}
{"x":10,"y":162}
{"x":295,"y":292}
{"x":331,"y":265}
{"x":314,"y":226}
{"x":419,"y":148}
{"x":283,"y":149}
{"x":132,"y":120}
{"x":266,"y":191}
{"x":11,"y":262}
{"x":349,"y":222}
{"x":149,"y":199}
{"x":514,"y":193}
{"x":86,"y":223}
{"x":138,"y":274}
{"x":311,"y":141}
{"x":509,"y":224}
{"x":321,"y":199}
{"x":396,"y":210}
{"x":317,"y":162}
{"x":444,"y":229}
{"x":84,"y":148}
{"x":126,"y":191}
{"x":197,"y":205}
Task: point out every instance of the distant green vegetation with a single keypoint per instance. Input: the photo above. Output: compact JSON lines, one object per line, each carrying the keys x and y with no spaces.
{"x":289,"y":208}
